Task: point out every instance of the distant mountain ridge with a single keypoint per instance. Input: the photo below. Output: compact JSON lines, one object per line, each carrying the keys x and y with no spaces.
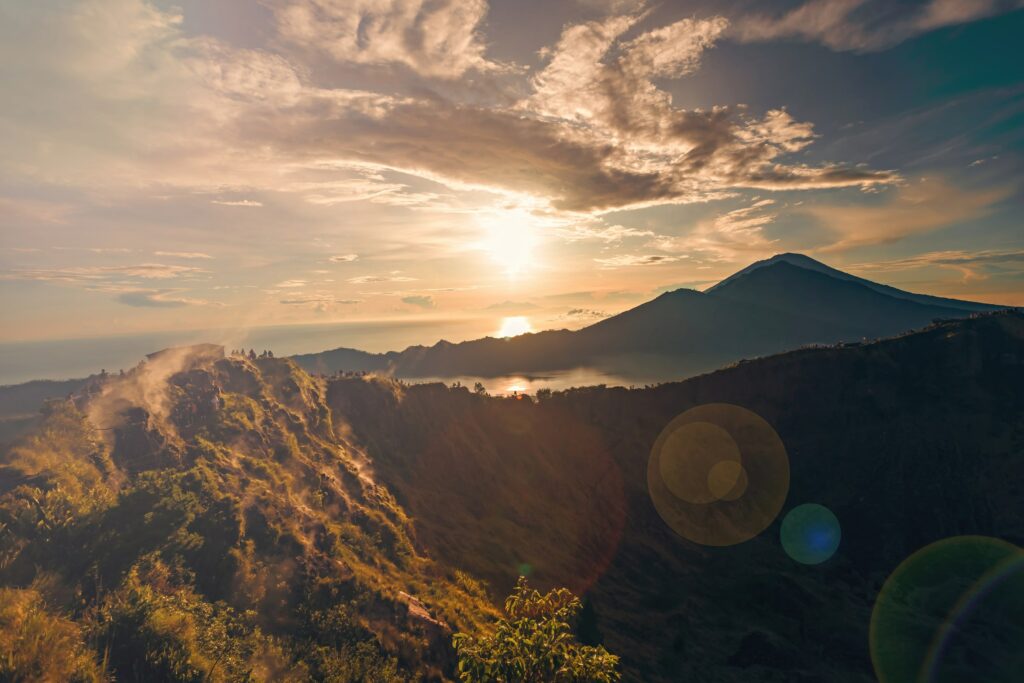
{"x":778,"y":304}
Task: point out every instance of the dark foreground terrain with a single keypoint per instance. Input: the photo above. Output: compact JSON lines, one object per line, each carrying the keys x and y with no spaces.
{"x":205,"y":518}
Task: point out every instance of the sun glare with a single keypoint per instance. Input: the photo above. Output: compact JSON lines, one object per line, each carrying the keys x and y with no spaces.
{"x":514,"y":326}
{"x":510,"y":236}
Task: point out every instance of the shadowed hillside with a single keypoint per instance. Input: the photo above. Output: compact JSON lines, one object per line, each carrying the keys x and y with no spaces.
{"x":908,"y":441}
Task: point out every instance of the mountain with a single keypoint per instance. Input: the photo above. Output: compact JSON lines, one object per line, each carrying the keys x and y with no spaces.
{"x":19,"y":403}
{"x":806,"y":262}
{"x":774,"y":305}
{"x":211,"y":517}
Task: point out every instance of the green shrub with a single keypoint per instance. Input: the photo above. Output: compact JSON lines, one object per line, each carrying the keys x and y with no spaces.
{"x":534,"y":643}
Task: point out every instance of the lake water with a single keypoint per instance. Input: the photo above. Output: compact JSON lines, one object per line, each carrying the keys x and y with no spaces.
{"x":554,"y":380}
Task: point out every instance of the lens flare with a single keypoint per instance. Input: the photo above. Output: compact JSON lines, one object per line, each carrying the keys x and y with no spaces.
{"x":810,"y":533}
{"x":718,"y":474}
{"x":952,"y":612}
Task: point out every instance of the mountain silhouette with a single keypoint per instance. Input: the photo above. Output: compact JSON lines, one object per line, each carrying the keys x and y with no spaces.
{"x":778,"y":304}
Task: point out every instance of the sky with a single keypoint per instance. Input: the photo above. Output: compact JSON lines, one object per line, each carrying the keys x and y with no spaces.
{"x":503,"y":166}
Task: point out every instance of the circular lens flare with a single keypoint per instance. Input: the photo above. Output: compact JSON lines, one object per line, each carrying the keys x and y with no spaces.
{"x":718,"y":474}
{"x":727,"y":480}
{"x":951,"y":612}
{"x":810,"y":533}
{"x":689,"y":456}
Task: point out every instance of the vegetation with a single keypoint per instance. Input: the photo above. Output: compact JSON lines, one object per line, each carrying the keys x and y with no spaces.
{"x":534,"y":642}
{"x":38,"y":645}
{"x":908,"y":441}
{"x":199,"y":519}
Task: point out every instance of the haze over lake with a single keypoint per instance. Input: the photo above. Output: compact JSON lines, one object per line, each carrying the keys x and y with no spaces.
{"x":67,"y":358}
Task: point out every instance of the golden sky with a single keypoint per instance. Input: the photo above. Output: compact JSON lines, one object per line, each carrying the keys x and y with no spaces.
{"x":197,"y":165}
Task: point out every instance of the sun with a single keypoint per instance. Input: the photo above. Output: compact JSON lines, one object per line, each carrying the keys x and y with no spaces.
{"x":510,"y":236}
{"x":514,"y":326}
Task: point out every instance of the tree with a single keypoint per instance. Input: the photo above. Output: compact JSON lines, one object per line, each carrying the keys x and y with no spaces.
{"x":534,"y":643}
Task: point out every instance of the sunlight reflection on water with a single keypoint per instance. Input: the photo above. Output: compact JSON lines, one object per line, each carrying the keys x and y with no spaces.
{"x":558,"y":380}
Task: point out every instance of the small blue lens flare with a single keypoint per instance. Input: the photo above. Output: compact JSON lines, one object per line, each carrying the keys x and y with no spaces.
{"x":810,"y":533}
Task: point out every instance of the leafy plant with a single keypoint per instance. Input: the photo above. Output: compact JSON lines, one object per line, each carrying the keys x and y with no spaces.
{"x":534,"y":643}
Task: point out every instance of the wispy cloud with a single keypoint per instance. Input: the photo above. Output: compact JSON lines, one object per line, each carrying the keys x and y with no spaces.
{"x":419,"y":300}
{"x":144,"y":271}
{"x":438,"y":38}
{"x":343,"y":258}
{"x":318,"y":299}
{"x":972,"y":266}
{"x":159,"y":298}
{"x":632,"y":260}
{"x":585,"y":314}
{"x":607,"y":234}
{"x":184,"y":254}
{"x":918,"y":207}
{"x":865,"y":25}
{"x":727,"y":235}
{"x":368,"y":279}
{"x":252,"y":203}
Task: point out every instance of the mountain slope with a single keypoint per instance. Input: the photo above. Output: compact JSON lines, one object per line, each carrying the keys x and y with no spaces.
{"x":201,"y":517}
{"x":774,"y":305}
{"x":908,"y":441}
{"x":856,"y":308}
{"x":806,"y":262}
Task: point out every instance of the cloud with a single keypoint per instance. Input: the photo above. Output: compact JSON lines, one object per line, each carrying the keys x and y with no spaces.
{"x":419,"y":300}
{"x":368,"y":279}
{"x":87,"y":274}
{"x":607,"y":234}
{"x":727,"y":235}
{"x":972,"y":266}
{"x":368,"y":183}
{"x":96,"y":250}
{"x":631,"y":260}
{"x":237,"y":202}
{"x":434,"y":38}
{"x":158,"y":298}
{"x":613,"y":6}
{"x":183,"y":254}
{"x":592,"y":131}
{"x":919,"y":207}
{"x":291,"y":284}
{"x":865,"y":25}
{"x":318,"y":299}
{"x":585,"y":314}
{"x":343,"y":258}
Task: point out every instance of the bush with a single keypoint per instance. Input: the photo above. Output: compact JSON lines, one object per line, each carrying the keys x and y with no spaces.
{"x":534,"y":643}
